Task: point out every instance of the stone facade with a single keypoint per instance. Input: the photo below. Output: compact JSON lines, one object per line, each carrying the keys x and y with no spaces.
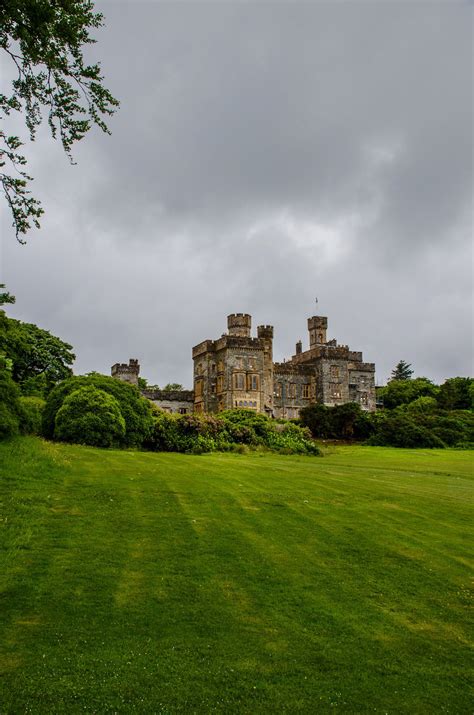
{"x":176,"y":401}
{"x":237,"y":370}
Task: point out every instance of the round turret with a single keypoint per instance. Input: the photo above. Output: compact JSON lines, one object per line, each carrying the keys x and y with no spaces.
{"x":239,"y":324}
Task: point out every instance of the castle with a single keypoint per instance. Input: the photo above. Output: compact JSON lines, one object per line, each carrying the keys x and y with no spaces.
{"x":237,"y":370}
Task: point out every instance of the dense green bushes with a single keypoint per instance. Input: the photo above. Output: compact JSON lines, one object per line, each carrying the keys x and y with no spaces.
{"x":90,"y":416}
{"x":420,"y":423}
{"x":233,"y":430}
{"x":9,"y":406}
{"x":341,"y":422}
{"x":31,"y":414}
{"x":135,"y":410}
{"x":17,"y":414}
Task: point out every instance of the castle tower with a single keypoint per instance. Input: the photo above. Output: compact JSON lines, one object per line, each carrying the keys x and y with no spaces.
{"x":239,"y":324}
{"x":127,"y":373}
{"x":317,"y":327}
{"x":265,"y":332}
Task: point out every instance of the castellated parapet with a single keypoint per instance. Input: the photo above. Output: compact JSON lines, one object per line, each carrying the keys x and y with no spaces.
{"x":265,"y":331}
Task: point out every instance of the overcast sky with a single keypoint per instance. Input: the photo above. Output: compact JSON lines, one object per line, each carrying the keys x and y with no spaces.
{"x":264,"y":154}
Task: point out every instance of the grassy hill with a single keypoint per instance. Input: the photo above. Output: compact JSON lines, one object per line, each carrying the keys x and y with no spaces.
{"x":163,"y":583}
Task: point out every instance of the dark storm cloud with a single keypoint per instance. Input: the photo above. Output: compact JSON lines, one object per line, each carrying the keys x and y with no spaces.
{"x":264,"y":153}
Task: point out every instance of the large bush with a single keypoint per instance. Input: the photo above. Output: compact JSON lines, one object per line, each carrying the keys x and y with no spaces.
{"x":135,"y":409}
{"x":400,"y":430}
{"x":345,"y":422}
{"x":227,"y":431}
{"x":90,"y":416}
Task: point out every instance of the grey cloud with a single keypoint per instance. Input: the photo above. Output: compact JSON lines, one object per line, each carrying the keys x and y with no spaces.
{"x":243,"y":125}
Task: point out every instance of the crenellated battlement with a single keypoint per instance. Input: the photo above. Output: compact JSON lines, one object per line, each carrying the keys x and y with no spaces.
{"x":127,"y":373}
{"x":265,"y":331}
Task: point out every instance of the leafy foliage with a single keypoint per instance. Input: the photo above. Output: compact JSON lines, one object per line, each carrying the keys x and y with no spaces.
{"x":39,"y":359}
{"x":230,"y":430}
{"x":400,"y":392}
{"x":31,"y":413}
{"x":173,"y":387}
{"x":90,"y":416}
{"x":135,"y":410}
{"x":10,"y":409}
{"x":400,"y":430}
{"x":456,"y":393}
{"x":345,"y":422}
{"x":44,"y":39}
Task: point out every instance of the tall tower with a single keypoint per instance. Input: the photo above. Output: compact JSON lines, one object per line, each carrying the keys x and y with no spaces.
{"x":317,"y":327}
{"x":239,"y":324}
{"x":127,"y":373}
{"x":265,"y":332}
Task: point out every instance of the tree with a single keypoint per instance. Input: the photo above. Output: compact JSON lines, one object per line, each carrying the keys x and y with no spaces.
{"x":172,"y":387}
{"x":457,"y":393}
{"x":402,"y":371}
{"x":402,"y":392}
{"x":5,"y":296}
{"x":39,"y":360}
{"x":45,"y":39}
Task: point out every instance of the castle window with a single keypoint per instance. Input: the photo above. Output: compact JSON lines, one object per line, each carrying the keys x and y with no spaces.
{"x":336,"y":395}
{"x":198,"y":388}
{"x":213,"y":389}
{"x":239,"y":363}
{"x":199,"y":368}
{"x":239,"y":381}
{"x":320,"y":338}
{"x":305,"y":391}
{"x":334,"y":372}
{"x":220,"y":366}
{"x":277,"y":389}
{"x":183,"y":411}
{"x":291,"y":390}
{"x":213,"y":367}
{"x":220,"y":383}
{"x":252,"y":382}
{"x":252,"y":363}
{"x":364,"y":398}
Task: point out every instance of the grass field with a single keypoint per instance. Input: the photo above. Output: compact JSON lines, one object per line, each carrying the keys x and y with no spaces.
{"x":165,"y":583}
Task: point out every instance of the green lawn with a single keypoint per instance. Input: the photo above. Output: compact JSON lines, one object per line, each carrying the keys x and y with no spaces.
{"x":162,"y":583}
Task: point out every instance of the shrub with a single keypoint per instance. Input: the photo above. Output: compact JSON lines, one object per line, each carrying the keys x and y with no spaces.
{"x":399,"y":430}
{"x":346,"y":421}
{"x":228,"y":431}
{"x":135,"y":410}
{"x":90,"y":416}
{"x":318,"y":419}
{"x":31,"y":412}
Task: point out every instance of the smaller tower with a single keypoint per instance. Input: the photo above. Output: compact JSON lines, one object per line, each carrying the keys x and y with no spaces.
{"x":317,"y":326}
{"x":127,"y":373}
{"x":239,"y":324}
{"x":299,"y":347}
